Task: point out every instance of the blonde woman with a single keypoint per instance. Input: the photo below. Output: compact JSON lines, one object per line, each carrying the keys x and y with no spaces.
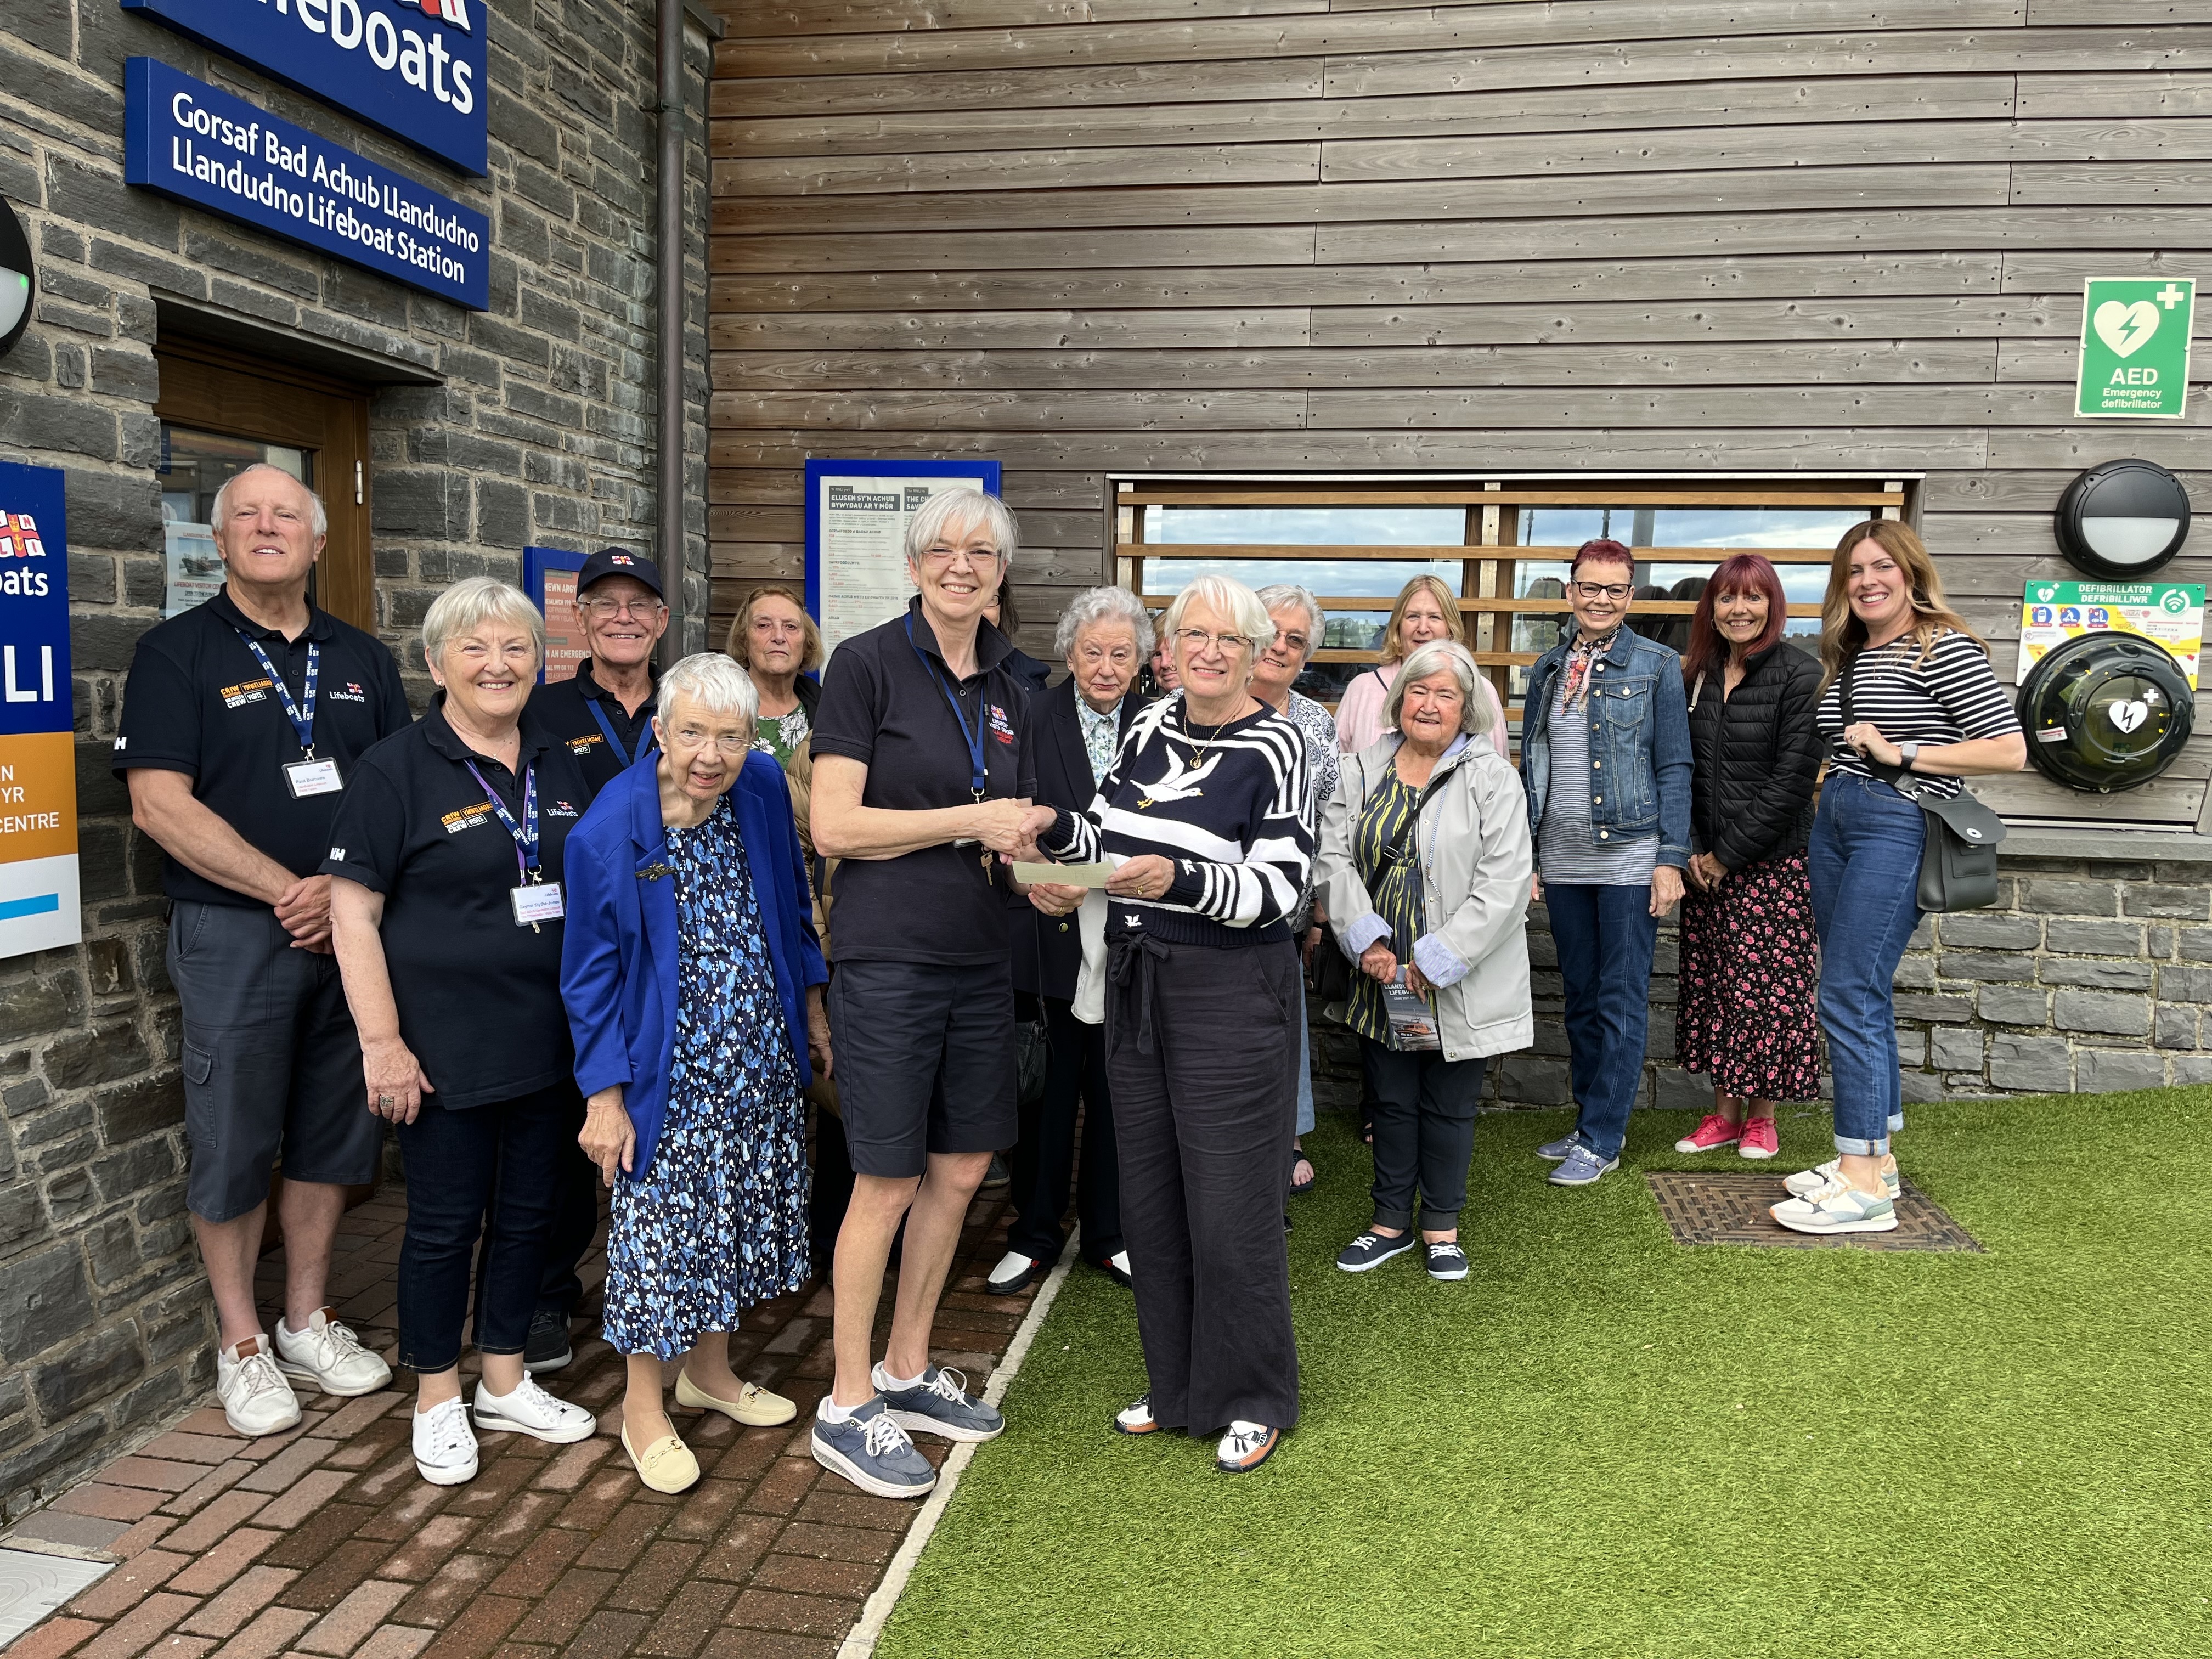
{"x":1910,"y":708}
{"x":1426,"y":611}
{"x":777,"y":643}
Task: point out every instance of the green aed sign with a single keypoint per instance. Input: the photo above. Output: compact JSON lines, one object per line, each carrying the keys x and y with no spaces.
{"x":2135,"y":348}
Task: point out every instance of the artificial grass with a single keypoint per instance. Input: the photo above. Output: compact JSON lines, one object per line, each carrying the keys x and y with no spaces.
{"x":1602,"y":1442}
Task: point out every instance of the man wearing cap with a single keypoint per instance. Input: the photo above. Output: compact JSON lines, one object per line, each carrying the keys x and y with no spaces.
{"x":242,"y":720}
{"x":605,"y":715}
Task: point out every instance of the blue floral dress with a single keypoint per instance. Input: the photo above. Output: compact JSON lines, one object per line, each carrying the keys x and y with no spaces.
{"x":717,"y":1224}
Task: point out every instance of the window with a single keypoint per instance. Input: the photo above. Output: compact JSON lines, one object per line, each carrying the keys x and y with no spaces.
{"x":1502,"y":546}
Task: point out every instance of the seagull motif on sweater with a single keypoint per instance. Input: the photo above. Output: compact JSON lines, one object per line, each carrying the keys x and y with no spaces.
{"x":1179,"y":783}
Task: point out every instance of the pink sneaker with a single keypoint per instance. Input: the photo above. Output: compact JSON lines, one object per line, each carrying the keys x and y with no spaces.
{"x":1713,"y":1134}
{"x":1758,"y":1139}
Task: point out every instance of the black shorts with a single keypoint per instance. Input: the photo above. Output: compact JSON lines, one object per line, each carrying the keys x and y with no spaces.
{"x":272,"y":1063}
{"x":925,"y":1062}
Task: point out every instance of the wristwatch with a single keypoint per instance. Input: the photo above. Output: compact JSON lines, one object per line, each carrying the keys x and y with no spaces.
{"x":1910,"y":751}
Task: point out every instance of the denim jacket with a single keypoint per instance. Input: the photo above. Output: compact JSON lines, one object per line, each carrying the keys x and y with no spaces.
{"x":1639,"y":736}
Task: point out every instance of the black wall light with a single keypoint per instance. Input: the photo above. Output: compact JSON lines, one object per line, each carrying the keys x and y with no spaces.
{"x":2105,"y":712}
{"x":2122,"y":520}
{"x":17,"y":282}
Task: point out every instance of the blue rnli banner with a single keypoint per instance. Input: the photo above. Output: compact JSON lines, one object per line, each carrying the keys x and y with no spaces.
{"x":187,"y":139}
{"x":415,"y":68}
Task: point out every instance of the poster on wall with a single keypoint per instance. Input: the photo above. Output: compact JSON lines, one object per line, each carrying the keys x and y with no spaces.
{"x":856,"y":520}
{"x":37,"y":747}
{"x":2170,"y":614}
{"x":549,"y":576}
{"x":195,"y":567}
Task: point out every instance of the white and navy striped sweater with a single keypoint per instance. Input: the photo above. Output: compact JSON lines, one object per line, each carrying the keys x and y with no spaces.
{"x":1232,"y":811}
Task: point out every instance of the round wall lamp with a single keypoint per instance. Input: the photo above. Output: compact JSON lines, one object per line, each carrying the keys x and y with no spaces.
{"x":2105,"y":712}
{"x":2122,"y":520}
{"x":18,"y":285}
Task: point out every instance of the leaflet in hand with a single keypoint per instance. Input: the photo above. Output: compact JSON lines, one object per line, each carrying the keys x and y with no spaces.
{"x":1062,"y":875}
{"x":1412,"y":1022}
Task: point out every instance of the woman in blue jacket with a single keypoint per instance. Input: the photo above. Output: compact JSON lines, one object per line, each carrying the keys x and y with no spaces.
{"x":693,"y":980}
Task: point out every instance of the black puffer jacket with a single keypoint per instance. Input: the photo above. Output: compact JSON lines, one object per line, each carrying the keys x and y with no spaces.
{"x":1754,"y":756}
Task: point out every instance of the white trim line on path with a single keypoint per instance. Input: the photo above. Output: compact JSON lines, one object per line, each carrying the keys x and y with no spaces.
{"x":860,"y":1641}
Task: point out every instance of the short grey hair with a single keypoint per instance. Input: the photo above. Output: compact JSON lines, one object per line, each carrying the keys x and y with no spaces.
{"x":1474,"y":714}
{"x":320,"y":515}
{"x":962,"y":509}
{"x":715,"y":684}
{"x":470,"y":603}
{"x":1276,"y":595}
{"x":1095,"y":605}
{"x":1227,"y":598}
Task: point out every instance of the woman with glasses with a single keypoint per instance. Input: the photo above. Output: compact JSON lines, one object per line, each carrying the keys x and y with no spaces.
{"x":1427,"y":611}
{"x":1205,"y":816}
{"x":1605,"y":756}
{"x":694,"y":988}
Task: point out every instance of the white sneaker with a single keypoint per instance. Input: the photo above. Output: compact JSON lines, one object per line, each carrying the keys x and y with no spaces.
{"x":256,"y":1398}
{"x":445,"y":1450}
{"x":1806,"y":1183}
{"x":529,"y":1410}
{"x":1838,"y":1207}
{"x":329,"y":1355}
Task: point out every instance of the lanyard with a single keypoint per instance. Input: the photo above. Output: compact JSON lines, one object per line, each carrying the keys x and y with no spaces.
{"x":525,"y":833}
{"x":644,"y":738}
{"x":303,"y":719}
{"x":974,"y":738}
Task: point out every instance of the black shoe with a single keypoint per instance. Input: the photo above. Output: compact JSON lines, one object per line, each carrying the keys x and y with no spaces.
{"x":1372,"y":1250}
{"x":1014,"y":1272}
{"x":998,"y":1177}
{"x":1112,"y":1267}
{"x":547,"y":1349}
{"x":1447,"y":1260}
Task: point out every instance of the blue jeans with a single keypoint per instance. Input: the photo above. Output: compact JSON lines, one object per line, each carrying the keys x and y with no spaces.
{"x":1865,"y":862}
{"x":1605,"y":936}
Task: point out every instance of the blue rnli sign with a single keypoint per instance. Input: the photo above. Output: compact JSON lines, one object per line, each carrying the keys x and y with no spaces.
{"x":415,"y":68}
{"x":187,"y":139}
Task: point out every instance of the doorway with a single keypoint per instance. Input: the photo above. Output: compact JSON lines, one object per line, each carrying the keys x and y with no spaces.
{"x":222,"y":412}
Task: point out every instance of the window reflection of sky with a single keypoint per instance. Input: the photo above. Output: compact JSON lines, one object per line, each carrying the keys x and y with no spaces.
{"x":1310,"y":527}
{"x":1748,"y":527}
{"x":1330,"y":578}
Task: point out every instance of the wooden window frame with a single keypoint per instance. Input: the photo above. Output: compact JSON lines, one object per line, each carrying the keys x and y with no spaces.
{"x":1487,"y":556}
{"x":212,"y":388}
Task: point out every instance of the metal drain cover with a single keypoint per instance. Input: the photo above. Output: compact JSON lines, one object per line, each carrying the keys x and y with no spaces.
{"x":32,"y":1586}
{"x":1731,"y":1208}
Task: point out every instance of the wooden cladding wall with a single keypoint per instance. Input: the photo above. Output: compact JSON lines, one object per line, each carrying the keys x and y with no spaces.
{"x":1599,"y":236}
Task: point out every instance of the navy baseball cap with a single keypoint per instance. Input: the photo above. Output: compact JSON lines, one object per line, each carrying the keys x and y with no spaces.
{"x":613,"y":561}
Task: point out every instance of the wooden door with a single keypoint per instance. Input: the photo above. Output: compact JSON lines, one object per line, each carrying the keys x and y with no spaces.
{"x":209,"y":389}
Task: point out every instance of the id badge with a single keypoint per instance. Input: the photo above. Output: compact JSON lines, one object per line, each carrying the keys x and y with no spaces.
{"x":313,"y":777}
{"x":536,"y":902}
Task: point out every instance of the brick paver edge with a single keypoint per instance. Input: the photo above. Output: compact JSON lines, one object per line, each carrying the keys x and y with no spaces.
{"x":868,"y":1630}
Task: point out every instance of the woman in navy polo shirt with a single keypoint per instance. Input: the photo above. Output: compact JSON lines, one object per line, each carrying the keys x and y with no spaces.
{"x":445,"y":914}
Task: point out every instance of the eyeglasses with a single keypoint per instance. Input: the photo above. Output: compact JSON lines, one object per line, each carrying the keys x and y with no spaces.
{"x":1295,"y":643}
{"x":1195,"y":640}
{"x":607,"y":610}
{"x":691,"y":740}
{"x":1614,"y":590}
{"x":945,"y":555}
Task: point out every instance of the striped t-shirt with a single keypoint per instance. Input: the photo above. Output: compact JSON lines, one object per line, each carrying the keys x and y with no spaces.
{"x":1229,"y":804}
{"x":1952,"y":697}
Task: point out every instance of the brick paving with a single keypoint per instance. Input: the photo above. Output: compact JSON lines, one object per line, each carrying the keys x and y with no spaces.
{"x":325,"y":1543}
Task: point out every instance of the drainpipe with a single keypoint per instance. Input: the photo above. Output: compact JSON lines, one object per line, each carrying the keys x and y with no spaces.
{"x":668,"y":534}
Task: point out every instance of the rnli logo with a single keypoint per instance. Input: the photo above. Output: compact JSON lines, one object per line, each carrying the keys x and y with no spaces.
{"x":560,"y":808}
{"x":19,"y":537}
{"x":352,"y":693}
{"x":1001,"y":728}
{"x":452,"y":13}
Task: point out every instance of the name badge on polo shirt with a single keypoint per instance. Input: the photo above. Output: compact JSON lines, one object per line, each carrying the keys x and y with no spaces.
{"x":313,"y":777}
{"x":536,"y":902}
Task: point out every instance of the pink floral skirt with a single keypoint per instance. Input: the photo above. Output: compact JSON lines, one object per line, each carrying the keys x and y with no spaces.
{"x":1748,"y":977}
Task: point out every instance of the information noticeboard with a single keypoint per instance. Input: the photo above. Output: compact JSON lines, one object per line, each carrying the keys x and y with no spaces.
{"x":2135,"y":348}
{"x":549,"y":576}
{"x":38,"y":746}
{"x":2170,"y":615}
{"x":856,"y":520}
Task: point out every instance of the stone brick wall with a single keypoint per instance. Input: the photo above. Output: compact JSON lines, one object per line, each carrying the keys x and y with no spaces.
{"x":541,"y":432}
{"x":2088,"y":975}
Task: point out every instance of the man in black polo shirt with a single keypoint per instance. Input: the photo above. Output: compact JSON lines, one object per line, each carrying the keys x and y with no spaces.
{"x":241,"y":722}
{"x":605,"y":716}
{"x":918,"y":784}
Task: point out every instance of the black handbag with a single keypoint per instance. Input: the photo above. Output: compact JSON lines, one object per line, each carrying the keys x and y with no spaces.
{"x":1959,"y":862}
{"x":1032,"y":1056}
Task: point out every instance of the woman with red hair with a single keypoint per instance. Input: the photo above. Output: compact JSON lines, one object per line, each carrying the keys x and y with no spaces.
{"x":1748,"y":967}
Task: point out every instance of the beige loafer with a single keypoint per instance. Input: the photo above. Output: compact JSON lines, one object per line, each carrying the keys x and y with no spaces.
{"x":666,"y":1466}
{"x":755,"y":1408}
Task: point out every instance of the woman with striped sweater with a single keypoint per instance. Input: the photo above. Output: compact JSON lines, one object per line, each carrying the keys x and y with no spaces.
{"x":1205,"y":816}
